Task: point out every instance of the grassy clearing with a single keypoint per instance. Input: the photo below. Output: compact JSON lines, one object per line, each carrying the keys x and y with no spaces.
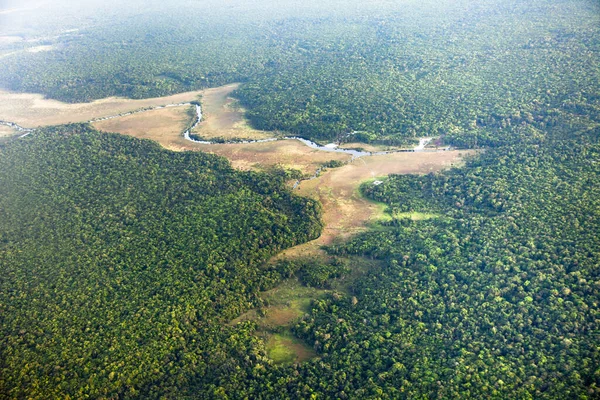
{"x":7,"y":131}
{"x":286,"y":305}
{"x":288,"y":302}
{"x":417,"y":216}
{"x":159,"y":125}
{"x":224,"y":119}
{"x":33,"y":110}
{"x":286,"y":349}
{"x":367,"y":147}
{"x":290,"y":154}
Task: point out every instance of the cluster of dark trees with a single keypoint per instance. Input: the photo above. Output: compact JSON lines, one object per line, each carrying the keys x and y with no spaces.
{"x":468,"y":73}
{"x":121,"y":261}
{"x":313,"y":272}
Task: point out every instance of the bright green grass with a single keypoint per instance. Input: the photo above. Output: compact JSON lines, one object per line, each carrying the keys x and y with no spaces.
{"x":285,"y":349}
{"x":278,"y":351}
{"x":417,"y":216}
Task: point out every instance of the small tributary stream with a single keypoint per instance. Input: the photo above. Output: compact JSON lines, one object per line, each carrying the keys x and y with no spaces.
{"x":332,"y":147}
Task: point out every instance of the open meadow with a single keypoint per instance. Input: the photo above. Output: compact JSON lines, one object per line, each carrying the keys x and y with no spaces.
{"x":163,"y":125}
{"x":222,"y":118}
{"x":33,"y":110}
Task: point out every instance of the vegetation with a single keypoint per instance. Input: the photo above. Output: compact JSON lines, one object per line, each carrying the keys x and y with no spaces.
{"x":279,"y":351}
{"x":121,"y":261}
{"x":123,"y":265}
{"x":285,"y":349}
{"x":314,"y":272}
{"x":333,"y":164}
{"x":499,"y":299}
{"x":467,"y":73}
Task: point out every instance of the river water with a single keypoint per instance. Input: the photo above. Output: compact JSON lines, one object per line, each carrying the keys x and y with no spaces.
{"x":332,"y":147}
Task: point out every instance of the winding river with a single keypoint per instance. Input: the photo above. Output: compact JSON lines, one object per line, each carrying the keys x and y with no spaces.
{"x":332,"y":147}
{"x":18,"y":128}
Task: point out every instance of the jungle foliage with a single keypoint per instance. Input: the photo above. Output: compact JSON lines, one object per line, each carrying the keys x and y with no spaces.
{"x":313,"y":272}
{"x":497,"y":299}
{"x":121,"y":261}
{"x":387,"y":72}
{"x":122,"y":264}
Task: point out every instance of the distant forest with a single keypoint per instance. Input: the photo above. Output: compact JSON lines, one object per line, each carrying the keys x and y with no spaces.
{"x":461,"y":69}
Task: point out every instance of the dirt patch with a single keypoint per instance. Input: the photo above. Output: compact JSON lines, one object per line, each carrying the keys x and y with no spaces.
{"x":282,"y":316}
{"x":222,"y":119}
{"x":6,"y":131}
{"x":271,"y":317}
{"x":33,"y":110}
{"x":36,"y":49}
{"x":161,"y":125}
{"x":345,"y":211}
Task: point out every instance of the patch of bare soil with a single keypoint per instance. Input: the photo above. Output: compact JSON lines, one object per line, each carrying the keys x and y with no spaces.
{"x":345,"y":211}
{"x":163,"y":125}
{"x":33,"y":110}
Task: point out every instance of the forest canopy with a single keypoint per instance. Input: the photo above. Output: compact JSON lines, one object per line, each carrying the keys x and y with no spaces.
{"x":389,"y":71}
{"x":122,"y":264}
{"x":121,"y":260}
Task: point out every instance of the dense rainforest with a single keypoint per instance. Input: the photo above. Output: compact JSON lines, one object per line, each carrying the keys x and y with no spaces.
{"x":494,"y":295}
{"x":383,"y":71}
{"x":122,"y":264}
{"x":120,"y":261}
